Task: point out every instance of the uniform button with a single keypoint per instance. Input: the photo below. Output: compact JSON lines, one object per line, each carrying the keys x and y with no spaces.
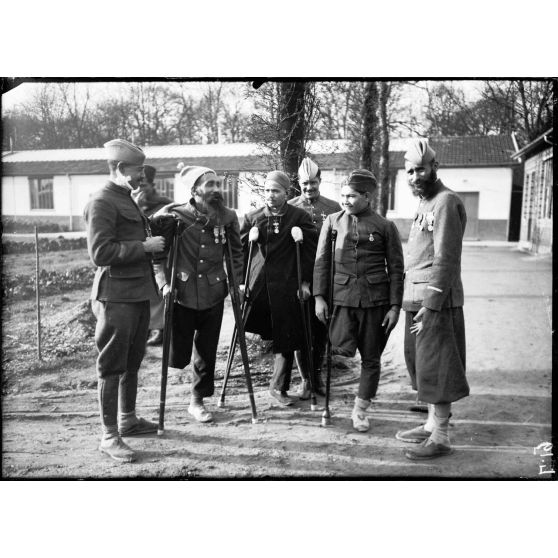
{"x":203,"y":245}
{"x":203,"y":230}
{"x":218,"y":279}
{"x":201,"y":261}
{"x":199,"y":275}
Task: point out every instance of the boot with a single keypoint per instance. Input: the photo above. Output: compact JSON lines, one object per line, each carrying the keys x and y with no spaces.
{"x":131,"y":425}
{"x":114,"y":447}
{"x":358,"y":416}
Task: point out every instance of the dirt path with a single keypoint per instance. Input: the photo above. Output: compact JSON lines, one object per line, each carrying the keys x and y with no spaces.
{"x":53,"y":434}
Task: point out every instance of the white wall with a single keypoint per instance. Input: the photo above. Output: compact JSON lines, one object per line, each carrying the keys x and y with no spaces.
{"x":493,"y":184}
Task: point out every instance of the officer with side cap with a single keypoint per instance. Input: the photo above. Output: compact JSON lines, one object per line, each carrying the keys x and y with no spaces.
{"x":201,"y":280}
{"x":368,"y":284}
{"x":274,"y":307}
{"x":150,"y":201}
{"x":120,"y":244}
{"x":433,"y":303}
{"x":318,"y":207}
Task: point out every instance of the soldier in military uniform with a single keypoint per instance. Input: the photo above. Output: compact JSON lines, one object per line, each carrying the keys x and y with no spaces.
{"x":120,"y":245}
{"x":150,"y":201}
{"x":274,"y":308}
{"x":201,"y":280}
{"x":433,"y":301}
{"x":368,"y":284}
{"x":318,"y":207}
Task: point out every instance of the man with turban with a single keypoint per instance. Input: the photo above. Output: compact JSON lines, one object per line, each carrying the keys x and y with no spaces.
{"x":368,"y":284}
{"x":201,"y":280}
{"x":274,"y":308}
{"x":318,"y":207}
{"x":433,"y":302}
{"x":120,"y":244}
{"x":150,"y":201}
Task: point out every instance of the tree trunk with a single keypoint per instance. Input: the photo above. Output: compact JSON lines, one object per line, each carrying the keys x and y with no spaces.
{"x":369,"y":125}
{"x":383,"y":178}
{"x":292,"y":126}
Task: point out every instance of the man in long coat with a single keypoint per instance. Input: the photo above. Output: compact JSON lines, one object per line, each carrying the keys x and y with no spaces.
{"x":433,"y":301}
{"x":274,"y":307}
{"x":318,"y":207}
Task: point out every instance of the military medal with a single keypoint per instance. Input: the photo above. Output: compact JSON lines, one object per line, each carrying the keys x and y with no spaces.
{"x":223,"y":238}
{"x":276,"y":226}
{"x":430,"y":220}
{"x":216,"y":234}
{"x":371,"y":237}
{"x":323,"y":216}
{"x":421,"y":223}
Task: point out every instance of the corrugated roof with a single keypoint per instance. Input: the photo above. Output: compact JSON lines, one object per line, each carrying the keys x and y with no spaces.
{"x":328,"y":154}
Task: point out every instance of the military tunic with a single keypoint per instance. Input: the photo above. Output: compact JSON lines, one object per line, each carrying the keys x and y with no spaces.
{"x":122,"y":288}
{"x":368,"y":280}
{"x":436,"y":357}
{"x":201,"y":287}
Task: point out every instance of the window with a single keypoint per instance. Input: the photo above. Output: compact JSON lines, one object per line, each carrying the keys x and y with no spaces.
{"x":230,"y":190}
{"x":391,"y":193}
{"x":165,"y":186}
{"x":40,"y":193}
{"x":527,"y":196}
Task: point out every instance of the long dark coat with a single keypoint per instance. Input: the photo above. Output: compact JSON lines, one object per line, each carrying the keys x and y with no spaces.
{"x":274,"y":306}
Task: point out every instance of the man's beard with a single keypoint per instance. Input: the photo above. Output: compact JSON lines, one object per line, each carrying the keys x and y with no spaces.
{"x":215,"y":200}
{"x":424,"y":186}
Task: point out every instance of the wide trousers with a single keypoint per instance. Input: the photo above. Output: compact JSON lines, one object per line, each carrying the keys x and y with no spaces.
{"x":120,"y":336}
{"x":435,"y":358}
{"x":361,"y":328}
{"x":197,"y":329}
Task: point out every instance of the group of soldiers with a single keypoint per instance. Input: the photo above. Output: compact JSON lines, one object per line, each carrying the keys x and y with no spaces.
{"x":372,"y":281}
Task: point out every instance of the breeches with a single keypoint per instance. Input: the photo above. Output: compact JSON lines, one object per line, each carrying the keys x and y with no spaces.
{"x":361,"y":328}
{"x":197,"y":329}
{"x":436,"y":357}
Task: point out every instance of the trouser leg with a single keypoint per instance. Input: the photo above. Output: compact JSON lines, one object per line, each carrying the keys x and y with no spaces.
{"x":206,"y":339}
{"x":107,"y":389}
{"x":282,"y":367}
{"x":129,"y":380}
{"x":183,"y":328}
{"x":371,"y":343}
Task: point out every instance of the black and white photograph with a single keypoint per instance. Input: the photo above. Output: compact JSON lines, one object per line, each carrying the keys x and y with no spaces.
{"x":277,"y":278}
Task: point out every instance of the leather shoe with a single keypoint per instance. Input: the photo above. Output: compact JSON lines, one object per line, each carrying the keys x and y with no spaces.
{"x":428,"y":450}
{"x":156,"y":337}
{"x":116,"y":449}
{"x":282,"y":397}
{"x":414,"y":435}
{"x":141,"y":427}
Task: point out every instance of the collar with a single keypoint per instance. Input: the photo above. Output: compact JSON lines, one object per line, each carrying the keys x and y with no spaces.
{"x":124,"y":190}
{"x":367,"y":211}
{"x":282,"y":211}
{"x":306,"y":202}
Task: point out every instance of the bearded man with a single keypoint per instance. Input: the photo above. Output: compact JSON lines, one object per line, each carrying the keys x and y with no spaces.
{"x":433,"y":302}
{"x":201,"y":280}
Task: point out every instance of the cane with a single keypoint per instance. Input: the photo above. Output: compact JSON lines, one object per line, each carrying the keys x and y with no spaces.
{"x":252,"y":238}
{"x":296,"y":233}
{"x":326,"y":416}
{"x":170,"y":298}
{"x":240,"y":325}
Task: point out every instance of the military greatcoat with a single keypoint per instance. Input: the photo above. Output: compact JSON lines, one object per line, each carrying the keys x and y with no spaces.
{"x":274,"y":305}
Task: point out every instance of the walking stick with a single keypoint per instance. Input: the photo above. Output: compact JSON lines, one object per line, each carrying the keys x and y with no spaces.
{"x":170,"y":298}
{"x":326,"y":416}
{"x":252,"y":238}
{"x":239,"y":324}
{"x":296,"y":233}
